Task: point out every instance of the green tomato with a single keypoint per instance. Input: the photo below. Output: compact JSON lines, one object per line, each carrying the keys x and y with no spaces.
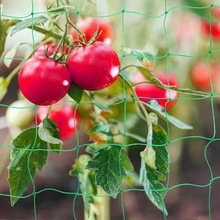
{"x":21,"y":116}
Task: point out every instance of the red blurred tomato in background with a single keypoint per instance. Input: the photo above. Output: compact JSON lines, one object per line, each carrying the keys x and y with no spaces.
{"x":62,"y":113}
{"x":200,"y":77}
{"x":149,"y":92}
{"x":215,"y":26}
{"x":89,"y":25}
{"x":215,"y":30}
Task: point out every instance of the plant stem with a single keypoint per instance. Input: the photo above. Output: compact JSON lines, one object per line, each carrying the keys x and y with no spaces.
{"x":104,"y":206}
{"x":137,"y":99}
{"x":48,"y":112}
{"x":46,"y":32}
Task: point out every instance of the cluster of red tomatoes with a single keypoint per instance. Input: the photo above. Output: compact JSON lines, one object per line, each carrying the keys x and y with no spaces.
{"x":95,"y":66}
{"x":92,"y":67}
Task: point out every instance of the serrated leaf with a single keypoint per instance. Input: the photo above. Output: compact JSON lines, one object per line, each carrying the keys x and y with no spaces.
{"x":28,"y":22}
{"x":3,"y":87}
{"x":101,"y":134}
{"x":75,"y":92}
{"x":146,"y":58}
{"x":153,"y":106}
{"x":49,"y":133}
{"x":109,"y":174}
{"x":154,"y":189}
{"x":29,"y":153}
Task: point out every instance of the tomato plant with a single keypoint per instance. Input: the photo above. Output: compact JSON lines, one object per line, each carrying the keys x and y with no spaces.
{"x":62,"y":113}
{"x":200,"y":77}
{"x":88,"y":62}
{"x":147,"y":92}
{"x":43,"y":81}
{"x":93,"y":67}
{"x":89,"y":25}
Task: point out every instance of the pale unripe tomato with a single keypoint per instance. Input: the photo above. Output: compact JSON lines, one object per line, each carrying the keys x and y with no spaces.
{"x":20,"y":114}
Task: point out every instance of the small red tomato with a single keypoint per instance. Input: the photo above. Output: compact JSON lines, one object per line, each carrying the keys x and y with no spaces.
{"x":94,"y":66}
{"x":148,"y":92}
{"x":215,"y":30}
{"x":43,"y":81}
{"x":62,"y":113}
{"x":89,"y":25}
{"x":51,"y":49}
{"x":200,"y":77}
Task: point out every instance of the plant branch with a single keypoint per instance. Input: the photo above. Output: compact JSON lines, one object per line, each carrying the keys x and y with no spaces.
{"x":136,"y":99}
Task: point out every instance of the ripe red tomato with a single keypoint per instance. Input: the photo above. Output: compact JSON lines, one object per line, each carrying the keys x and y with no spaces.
{"x":62,"y":113}
{"x":43,"y":81}
{"x":215,"y":30}
{"x":200,"y":77}
{"x":149,"y":91}
{"x":93,"y":67}
{"x":41,"y":50}
{"x":89,"y":25}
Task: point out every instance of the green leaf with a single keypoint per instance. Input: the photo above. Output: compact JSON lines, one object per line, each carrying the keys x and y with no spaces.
{"x":146,"y":58}
{"x":101,"y":134}
{"x":61,"y":9}
{"x":28,"y":22}
{"x":95,"y":148}
{"x":149,"y":156}
{"x":135,"y":136}
{"x":100,"y":106}
{"x":75,"y":92}
{"x":153,"y":106}
{"x":150,"y":178}
{"x":160,"y":141}
{"x":3,"y":87}
{"x":5,"y":26}
{"x":109,"y":174}
{"x":49,"y":133}
{"x":198,"y":7}
{"x":85,"y":179}
{"x":29,"y":153}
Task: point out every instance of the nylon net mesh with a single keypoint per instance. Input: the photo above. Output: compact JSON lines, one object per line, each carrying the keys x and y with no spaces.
{"x":132,"y":20}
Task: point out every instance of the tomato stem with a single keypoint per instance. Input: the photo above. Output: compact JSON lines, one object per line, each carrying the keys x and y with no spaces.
{"x":48,"y":112}
{"x":136,"y":99}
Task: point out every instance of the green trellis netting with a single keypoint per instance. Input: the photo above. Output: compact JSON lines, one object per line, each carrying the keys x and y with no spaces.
{"x":170,"y":30}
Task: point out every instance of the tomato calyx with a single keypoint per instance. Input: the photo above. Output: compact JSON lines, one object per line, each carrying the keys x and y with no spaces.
{"x":84,"y":42}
